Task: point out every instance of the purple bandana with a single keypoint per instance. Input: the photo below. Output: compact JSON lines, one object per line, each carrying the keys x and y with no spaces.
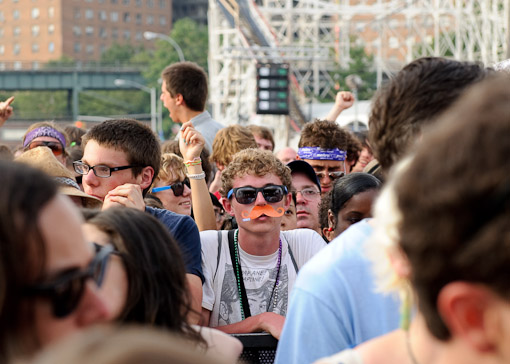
{"x":322,"y":154}
{"x":44,"y":131}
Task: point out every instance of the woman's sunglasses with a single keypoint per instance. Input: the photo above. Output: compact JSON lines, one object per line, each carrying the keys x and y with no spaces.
{"x":248,"y":195}
{"x":177,"y":187}
{"x":55,"y":147}
{"x":65,"y":292}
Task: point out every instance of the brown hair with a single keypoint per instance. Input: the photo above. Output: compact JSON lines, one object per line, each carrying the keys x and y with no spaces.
{"x":133,"y":138}
{"x":329,"y":135}
{"x":189,"y":80}
{"x":455,"y":200}
{"x":262,"y":132}
{"x":413,"y":98}
{"x":255,"y":162}
{"x":229,"y":141}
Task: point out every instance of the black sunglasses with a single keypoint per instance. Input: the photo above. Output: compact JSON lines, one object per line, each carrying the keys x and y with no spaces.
{"x":66,"y":291}
{"x":177,"y":187}
{"x":248,"y":195}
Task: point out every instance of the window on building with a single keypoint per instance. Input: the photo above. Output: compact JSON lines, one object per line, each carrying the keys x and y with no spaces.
{"x":51,"y":12}
{"x":16,"y":31}
{"x":162,"y":4}
{"x":35,"y":47}
{"x":102,"y":15}
{"x":126,"y":2}
{"x":150,"y":19}
{"x":35,"y":65}
{"x":16,"y":49}
{"x":2,"y":17}
{"x":35,"y":30}
{"x":126,"y":17}
{"x":51,"y":47}
{"x":126,"y":34}
{"x":17,"y":65}
{"x":138,"y":35}
{"x":1,"y":32}
{"x":77,"y":47}
{"x":15,"y":14}
{"x":51,"y":28}
{"x":89,"y":14}
{"x":150,"y":3}
{"x":77,"y":13}
{"x":162,"y":20}
{"x":114,"y":1}
{"x":102,"y":48}
{"x":114,"y":16}
{"x":138,"y":3}
{"x":115,"y":33}
{"x":2,"y":49}
{"x":89,"y":49}
{"x":89,"y":31}
{"x":138,"y":18}
{"x":34,"y":13}
{"x":76,"y":31}
{"x":102,"y":33}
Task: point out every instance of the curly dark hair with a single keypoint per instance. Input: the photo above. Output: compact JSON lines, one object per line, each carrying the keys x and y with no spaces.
{"x":172,"y":146}
{"x":329,"y":135}
{"x":413,"y":98}
{"x":455,"y":200}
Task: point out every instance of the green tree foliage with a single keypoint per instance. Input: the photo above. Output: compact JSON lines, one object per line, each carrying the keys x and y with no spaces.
{"x":362,"y":65}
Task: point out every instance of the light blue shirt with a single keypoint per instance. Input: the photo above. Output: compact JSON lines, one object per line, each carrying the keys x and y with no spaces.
{"x":334,"y":305}
{"x":207,"y":126}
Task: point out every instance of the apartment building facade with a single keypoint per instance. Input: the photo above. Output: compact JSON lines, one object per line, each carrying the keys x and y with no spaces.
{"x":33,"y":32}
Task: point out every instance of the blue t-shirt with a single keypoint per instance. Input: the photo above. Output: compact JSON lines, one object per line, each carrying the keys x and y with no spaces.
{"x":334,"y":305}
{"x":185,"y":232}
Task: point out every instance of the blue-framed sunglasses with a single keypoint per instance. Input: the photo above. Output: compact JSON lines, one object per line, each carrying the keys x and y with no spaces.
{"x":247,"y":195}
{"x":177,"y":187}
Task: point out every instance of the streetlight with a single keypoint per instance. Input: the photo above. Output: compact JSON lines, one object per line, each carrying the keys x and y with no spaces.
{"x":152,"y":91}
{"x":152,"y":35}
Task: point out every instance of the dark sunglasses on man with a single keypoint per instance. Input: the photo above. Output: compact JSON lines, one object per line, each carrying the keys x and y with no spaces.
{"x":56,"y":147}
{"x":66,"y":290}
{"x":177,"y":187}
{"x":247,"y":195}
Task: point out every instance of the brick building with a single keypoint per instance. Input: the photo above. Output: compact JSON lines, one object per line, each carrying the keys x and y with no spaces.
{"x":33,"y":32}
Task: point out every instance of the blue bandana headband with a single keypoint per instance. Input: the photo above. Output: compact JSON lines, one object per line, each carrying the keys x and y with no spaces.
{"x":47,"y":132}
{"x":315,"y":153}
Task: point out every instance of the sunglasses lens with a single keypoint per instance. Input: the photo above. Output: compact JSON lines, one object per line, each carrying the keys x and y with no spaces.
{"x":246,"y":195}
{"x":273,"y":193}
{"x":55,"y":147}
{"x":186,"y":182}
{"x":178,"y":189}
{"x":67,"y":295}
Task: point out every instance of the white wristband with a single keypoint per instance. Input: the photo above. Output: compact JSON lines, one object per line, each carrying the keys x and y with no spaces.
{"x":196,"y":176}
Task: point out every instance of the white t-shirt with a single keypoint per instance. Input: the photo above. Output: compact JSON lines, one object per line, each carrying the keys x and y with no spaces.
{"x":220,"y":289}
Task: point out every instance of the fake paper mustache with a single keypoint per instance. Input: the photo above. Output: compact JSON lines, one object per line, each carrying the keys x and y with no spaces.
{"x":262,"y":210}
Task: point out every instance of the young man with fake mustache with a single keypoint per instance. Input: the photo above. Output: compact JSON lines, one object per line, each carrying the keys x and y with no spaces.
{"x":249,"y":272}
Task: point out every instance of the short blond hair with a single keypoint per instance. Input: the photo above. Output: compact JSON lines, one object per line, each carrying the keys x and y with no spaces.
{"x":255,"y":162}
{"x":229,"y":141}
{"x":171,"y":168}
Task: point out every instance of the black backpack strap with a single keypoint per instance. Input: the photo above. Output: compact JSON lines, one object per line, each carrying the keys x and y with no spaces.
{"x":220,"y":237}
{"x":244,"y":297}
{"x":292,"y":258}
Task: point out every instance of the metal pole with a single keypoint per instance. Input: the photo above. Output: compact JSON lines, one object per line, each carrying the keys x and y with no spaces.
{"x":153,"y":109}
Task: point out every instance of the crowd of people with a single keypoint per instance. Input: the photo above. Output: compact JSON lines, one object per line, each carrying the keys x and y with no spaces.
{"x":386,"y":246}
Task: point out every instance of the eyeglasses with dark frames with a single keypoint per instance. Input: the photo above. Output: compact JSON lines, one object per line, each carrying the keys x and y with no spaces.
{"x":100,"y":170}
{"x":177,"y":187}
{"x":66,"y":291}
{"x":247,"y":195}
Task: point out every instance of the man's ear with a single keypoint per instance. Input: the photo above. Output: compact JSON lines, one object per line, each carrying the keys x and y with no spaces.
{"x":288,"y":200}
{"x":227,"y":206}
{"x":179,"y":100}
{"x":331,"y":220}
{"x":145,"y":177}
{"x":471,"y":314}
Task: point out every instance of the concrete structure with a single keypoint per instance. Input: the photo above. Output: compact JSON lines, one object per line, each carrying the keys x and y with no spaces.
{"x":35,"y":32}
